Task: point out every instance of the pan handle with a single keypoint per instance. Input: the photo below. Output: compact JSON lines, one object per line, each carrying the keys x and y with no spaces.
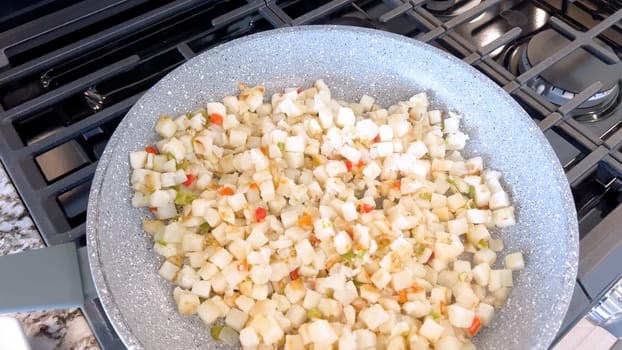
{"x":48,"y":278}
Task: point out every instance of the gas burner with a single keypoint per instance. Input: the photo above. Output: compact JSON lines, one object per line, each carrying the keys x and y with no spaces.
{"x":450,"y":8}
{"x":572,"y":74}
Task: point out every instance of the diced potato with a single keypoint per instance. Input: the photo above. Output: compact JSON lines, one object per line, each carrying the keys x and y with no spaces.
{"x":349,"y":211}
{"x":514,"y":261}
{"x":329,"y":308}
{"x":345,"y":117}
{"x":499,"y":200}
{"x":293,"y":342}
{"x":485,"y":313}
{"x":305,"y":252}
{"x":390,"y":196}
{"x":168,"y":270}
{"x":138,"y":159}
{"x":459,"y":316}
{"x":322,"y":333}
{"x":249,"y":338}
{"x":431,"y":330}
{"x":369,"y":292}
{"x":236,"y":319}
{"x":484,"y":256}
{"x":481,"y":274}
{"x":186,"y":277}
{"x":297,"y":315}
{"x":192,"y":242}
{"x":188,"y":303}
{"x":347,"y":295}
{"x":418,"y":308}
{"x":202,"y":288}
{"x":295,"y":291}
{"x":381,"y":278}
{"x":221,"y":258}
{"x":260,"y":292}
{"x":374,"y":316}
{"x":365,"y":339}
{"x":208,"y":311}
{"x":268,"y":327}
{"x":503,"y":217}
{"x":448,"y":342}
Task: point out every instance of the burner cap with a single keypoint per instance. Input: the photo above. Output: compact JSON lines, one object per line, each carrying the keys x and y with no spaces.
{"x":574,"y":72}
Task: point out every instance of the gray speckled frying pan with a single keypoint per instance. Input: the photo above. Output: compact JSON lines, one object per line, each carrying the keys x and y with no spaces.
{"x":352,"y":61}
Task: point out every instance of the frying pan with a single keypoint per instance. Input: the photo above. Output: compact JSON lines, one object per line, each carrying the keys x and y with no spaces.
{"x":352,"y":61}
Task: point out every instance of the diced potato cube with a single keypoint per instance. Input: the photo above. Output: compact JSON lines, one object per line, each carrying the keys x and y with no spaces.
{"x":485,"y":312}
{"x":305,"y":252}
{"x":266,"y":189}
{"x":350,"y":314}
{"x":312,"y":299}
{"x":257,"y":238}
{"x":350,"y":153}
{"x":384,"y":149}
{"x":381,"y":278}
{"x":479,"y":216}
{"x":457,"y":226}
{"x":168,"y":270}
{"x":234,"y":275}
{"x":369,"y":292}
{"x":401,"y":280}
{"x":295,"y":291}
{"x":417,"y":308}
{"x":208,"y":311}
{"x":365,"y":339}
{"x":249,"y":338}
{"x":514,"y":261}
{"x":138,"y":159}
{"x":431,"y":329}
{"x":329,"y":307}
{"x":268,"y":327}
{"x":237,"y":201}
{"x":499,"y":200}
{"x":221,"y":258}
{"x":236,"y":319}
{"x":448,"y":342}
{"x":192,"y":242}
{"x":322,"y":333}
{"x":459,"y":316}
{"x":260,"y":291}
{"x":397,"y":343}
{"x":244,"y":303}
{"x":297,"y":315}
{"x":188,"y":303}
{"x":293,"y":342}
{"x":347,"y":295}
{"x":374,"y":316}
{"x":202,"y":288}
{"x":486,"y":256}
{"x":481,"y":274}
{"x":208,"y":270}
{"x":345,"y":117}
{"x":503,"y":217}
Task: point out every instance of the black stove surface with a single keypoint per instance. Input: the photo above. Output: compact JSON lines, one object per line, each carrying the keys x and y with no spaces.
{"x":69,"y":71}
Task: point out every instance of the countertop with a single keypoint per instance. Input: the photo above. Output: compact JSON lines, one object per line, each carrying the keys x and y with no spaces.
{"x":46,"y":330}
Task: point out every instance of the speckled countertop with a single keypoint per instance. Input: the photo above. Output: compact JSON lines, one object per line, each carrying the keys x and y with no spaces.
{"x":46,"y":330}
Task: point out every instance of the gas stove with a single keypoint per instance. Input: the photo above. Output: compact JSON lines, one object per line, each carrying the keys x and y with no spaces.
{"x":70,"y":70}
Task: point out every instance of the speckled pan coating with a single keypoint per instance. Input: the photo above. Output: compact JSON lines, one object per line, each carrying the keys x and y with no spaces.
{"x":353,"y":61}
